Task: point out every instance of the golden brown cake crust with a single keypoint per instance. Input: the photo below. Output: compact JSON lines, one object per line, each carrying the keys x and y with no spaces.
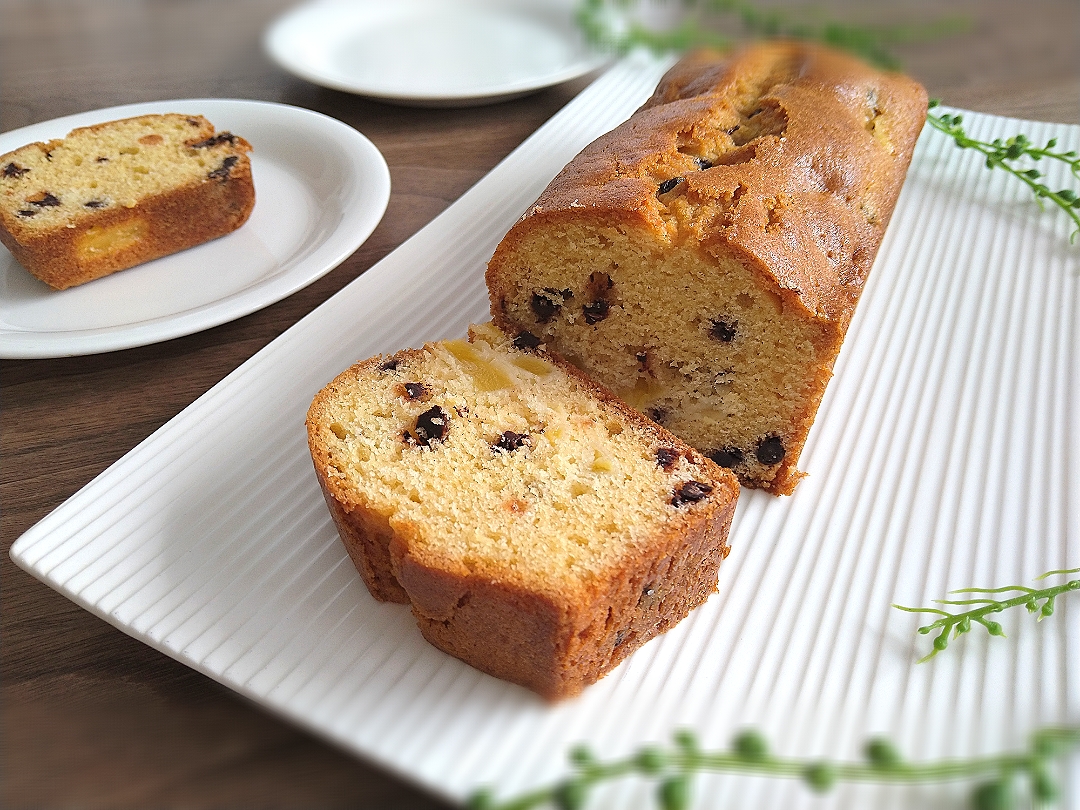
{"x":816,"y":174}
{"x":785,"y":159}
{"x":557,"y":649}
{"x":181,"y":216}
{"x":554,"y":639}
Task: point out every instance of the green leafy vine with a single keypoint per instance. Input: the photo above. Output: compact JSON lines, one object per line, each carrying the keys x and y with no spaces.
{"x":1039,"y":601}
{"x":1003,"y":154}
{"x":1002,"y":779}
{"x":609,"y":24}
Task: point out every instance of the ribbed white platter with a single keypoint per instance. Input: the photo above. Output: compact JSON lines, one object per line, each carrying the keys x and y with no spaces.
{"x":946,"y":454}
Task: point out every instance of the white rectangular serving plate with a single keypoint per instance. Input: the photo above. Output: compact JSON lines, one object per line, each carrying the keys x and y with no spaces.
{"x":946,"y":454}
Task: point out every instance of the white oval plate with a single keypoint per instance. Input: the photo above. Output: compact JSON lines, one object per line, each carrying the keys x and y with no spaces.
{"x":433,"y":52}
{"x":320,"y":189}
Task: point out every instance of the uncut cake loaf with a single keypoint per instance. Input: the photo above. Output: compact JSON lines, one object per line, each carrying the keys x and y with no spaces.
{"x":114,"y":195}
{"x":539,"y":528}
{"x":703,"y":260}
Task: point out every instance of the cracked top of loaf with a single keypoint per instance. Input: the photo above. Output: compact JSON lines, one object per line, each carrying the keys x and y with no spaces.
{"x":788,"y":154}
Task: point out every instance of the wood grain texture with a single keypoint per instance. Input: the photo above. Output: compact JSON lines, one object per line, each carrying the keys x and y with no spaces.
{"x":92,"y":718}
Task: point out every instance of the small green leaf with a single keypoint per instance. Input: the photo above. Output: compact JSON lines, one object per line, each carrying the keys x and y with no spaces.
{"x":687,"y":740}
{"x":582,"y":756}
{"x":996,"y":795}
{"x":882,"y":753}
{"x":571,"y":795}
{"x":651,"y":761}
{"x":750,"y":745}
{"x":674,"y":793}
{"x":481,"y":800}
{"x":994,"y":629}
{"x":1043,"y":786}
{"x":1052,"y":742}
{"x":820,"y":776}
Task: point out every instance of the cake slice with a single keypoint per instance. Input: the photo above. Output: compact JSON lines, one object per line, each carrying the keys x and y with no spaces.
{"x":114,"y":195}
{"x":539,"y":528}
{"x":703,"y":260}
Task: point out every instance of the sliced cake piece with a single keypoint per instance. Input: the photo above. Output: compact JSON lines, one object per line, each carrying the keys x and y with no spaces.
{"x":703,"y":260}
{"x":114,"y":195}
{"x":540,"y":529}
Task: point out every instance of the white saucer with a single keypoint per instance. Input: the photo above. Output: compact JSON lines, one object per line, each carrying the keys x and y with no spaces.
{"x":433,"y":52}
{"x":320,"y":189}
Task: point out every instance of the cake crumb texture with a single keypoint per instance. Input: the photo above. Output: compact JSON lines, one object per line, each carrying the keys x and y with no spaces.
{"x":117,"y":194}
{"x":540,"y":529}
{"x":703,"y":260}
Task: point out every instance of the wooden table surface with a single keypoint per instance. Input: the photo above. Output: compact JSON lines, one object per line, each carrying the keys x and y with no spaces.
{"x":92,"y":718}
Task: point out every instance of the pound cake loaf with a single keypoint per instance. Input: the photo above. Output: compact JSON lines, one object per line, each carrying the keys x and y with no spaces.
{"x":703,"y":260}
{"x":539,"y":528}
{"x":114,"y":195}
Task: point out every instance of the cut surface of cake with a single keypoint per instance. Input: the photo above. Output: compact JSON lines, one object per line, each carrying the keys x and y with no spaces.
{"x":703,"y":260}
{"x":540,"y":529}
{"x":117,"y":194}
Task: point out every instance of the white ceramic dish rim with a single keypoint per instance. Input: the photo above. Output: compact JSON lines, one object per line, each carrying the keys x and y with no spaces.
{"x":280,"y":39}
{"x":358,"y":209}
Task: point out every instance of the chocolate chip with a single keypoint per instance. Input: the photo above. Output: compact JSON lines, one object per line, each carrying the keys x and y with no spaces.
{"x":102,"y":160}
{"x":703,"y":163}
{"x":414,"y":390}
{"x":216,"y":140}
{"x":431,"y":426}
{"x":11,"y":170}
{"x":390,"y":364}
{"x":690,"y":492}
{"x":666,"y":457}
{"x":722,"y":330}
{"x":95,"y":204}
{"x":620,"y":637}
{"x":658,"y":414}
{"x":596,"y":311}
{"x":544,"y":307}
{"x":222,"y":173}
{"x":728,"y":457}
{"x":527,"y":340}
{"x":48,"y":201}
{"x":27,"y":212}
{"x":546,"y":303}
{"x":668,"y":185}
{"x":509,"y":441}
{"x":770,"y":450}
